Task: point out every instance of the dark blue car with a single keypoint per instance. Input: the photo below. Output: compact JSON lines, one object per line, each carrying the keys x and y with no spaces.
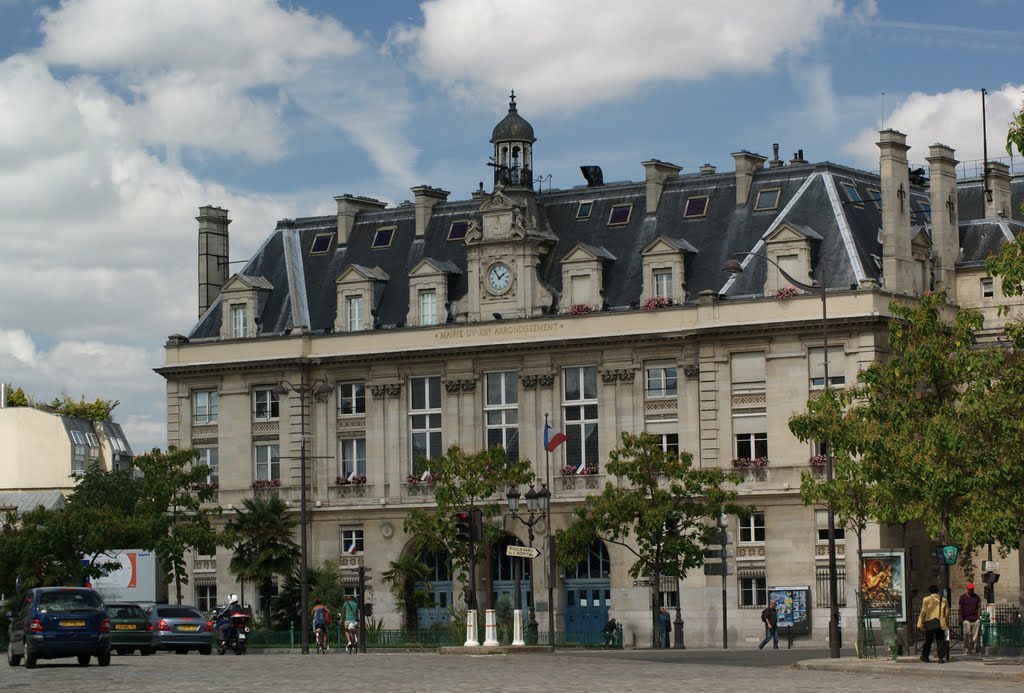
{"x":55,"y":622}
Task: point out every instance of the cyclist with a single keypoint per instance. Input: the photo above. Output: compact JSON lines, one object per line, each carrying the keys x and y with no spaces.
{"x":321,"y":623}
{"x":349,"y":613}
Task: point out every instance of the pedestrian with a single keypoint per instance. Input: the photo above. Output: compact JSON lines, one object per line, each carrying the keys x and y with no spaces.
{"x":933,"y":620}
{"x":610,"y":631}
{"x":969,"y":613}
{"x":770,"y":619}
{"x":665,"y":621}
{"x":349,"y":613}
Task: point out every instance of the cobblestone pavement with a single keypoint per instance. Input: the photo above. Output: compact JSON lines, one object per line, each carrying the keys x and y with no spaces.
{"x":393,"y":671}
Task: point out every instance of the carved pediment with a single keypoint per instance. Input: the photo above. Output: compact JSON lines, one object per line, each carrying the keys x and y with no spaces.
{"x":919,"y":239}
{"x":244,"y":282}
{"x":583,"y":252}
{"x":430,"y":267}
{"x":358,"y":274}
{"x":663,"y":245}
{"x":791,"y":232}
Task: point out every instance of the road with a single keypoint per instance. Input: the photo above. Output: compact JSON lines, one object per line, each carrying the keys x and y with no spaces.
{"x":691,"y":670}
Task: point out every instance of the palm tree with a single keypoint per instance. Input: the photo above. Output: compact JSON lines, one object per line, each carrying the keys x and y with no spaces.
{"x":402,"y":579}
{"x":263,"y":544}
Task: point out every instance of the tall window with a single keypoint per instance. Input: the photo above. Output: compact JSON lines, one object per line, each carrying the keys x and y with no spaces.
{"x":352,"y":540}
{"x":579,"y":404}
{"x":424,"y":420}
{"x":750,"y":445}
{"x":501,"y":411}
{"x":351,"y":398}
{"x":265,"y":406}
{"x":663,"y":283}
{"x":354,"y":313}
{"x":428,"y":307}
{"x":204,"y":406}
{"x":987,"y":288}
{"x":753,"y":588}
{"x":752,"y":528}
{"x":78,"y":459}
{"x":668,"y":442}
{"x":206,"y":596}
{"x":822,"y":602}
{"x":352,"y":453}
{"x":836,"y":366}
{"x":209,"y":457}
{"x":821,"y":524}
{"x":268,"y":461}
{"x":661,"y":382}
{"x":239,"y":321}
{"x":747,"y":371}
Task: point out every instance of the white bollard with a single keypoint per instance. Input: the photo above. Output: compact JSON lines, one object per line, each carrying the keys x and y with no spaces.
{"x":517,"y":628}
{"x":471,"y":640}
{"x":490,"y":629}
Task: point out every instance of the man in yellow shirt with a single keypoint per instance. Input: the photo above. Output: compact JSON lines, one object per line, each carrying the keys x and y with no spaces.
{"x":933,"y":620}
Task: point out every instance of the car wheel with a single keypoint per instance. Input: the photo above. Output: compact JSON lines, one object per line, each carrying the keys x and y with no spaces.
{"x":205,"y":650}
{"x":123,"y":651}
{"x":83,"y":660}
{"x":12,"y":659}
{"x":30,"y":658}
{"x":104,"y":659}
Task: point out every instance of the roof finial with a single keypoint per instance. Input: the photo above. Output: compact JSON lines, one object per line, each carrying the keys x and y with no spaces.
{"x":512,"y":102}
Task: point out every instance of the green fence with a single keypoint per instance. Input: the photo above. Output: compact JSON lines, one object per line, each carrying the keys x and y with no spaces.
{"x":997,"y":635}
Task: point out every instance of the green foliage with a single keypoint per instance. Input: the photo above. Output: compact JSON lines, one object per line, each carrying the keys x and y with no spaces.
{"x":261,"y":534}
{"x":97,"y":410}
{"x":404,"y":578}
{"x":463,"y":481}
{"x":660,"y":513}
{"x":17,"y":398}
{"x":1015,"y":135}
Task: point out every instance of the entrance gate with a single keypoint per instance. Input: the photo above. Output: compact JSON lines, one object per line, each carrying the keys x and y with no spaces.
{"x":588,"y":595}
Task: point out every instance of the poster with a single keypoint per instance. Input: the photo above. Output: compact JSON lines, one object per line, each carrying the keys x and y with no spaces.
{"x":792,"y":604}
{"x":883,"y":585}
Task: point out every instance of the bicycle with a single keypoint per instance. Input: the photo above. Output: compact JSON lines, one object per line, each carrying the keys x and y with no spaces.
{"x":320,"y":635}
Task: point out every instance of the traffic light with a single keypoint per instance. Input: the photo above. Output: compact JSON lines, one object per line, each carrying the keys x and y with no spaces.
{"x":463,"y":526}
{"x":990,"y":579}
{"x":476,"y":524}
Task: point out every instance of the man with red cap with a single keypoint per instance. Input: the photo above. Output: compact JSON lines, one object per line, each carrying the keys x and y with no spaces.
{"x":970,"y":611}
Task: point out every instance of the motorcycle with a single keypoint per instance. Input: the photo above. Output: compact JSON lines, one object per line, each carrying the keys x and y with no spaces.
{"x":234,"y":638}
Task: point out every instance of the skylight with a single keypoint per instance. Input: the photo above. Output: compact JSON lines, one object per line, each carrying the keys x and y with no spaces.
{"x":926,"y":211}
{"x":583,"y":212}
{"x":767,"y":200}
{"x":876,"y":197}
{"x":696,"y":206}
{"x":620,"y":215}
{"x":457,"y":231}
{"x":851,"y":193}
{"x":321,"y":243}
{"x":382,"y":238}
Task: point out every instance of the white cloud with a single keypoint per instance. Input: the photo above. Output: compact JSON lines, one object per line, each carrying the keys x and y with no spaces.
{"x":567,"y":55}
{"x":952,"y":118}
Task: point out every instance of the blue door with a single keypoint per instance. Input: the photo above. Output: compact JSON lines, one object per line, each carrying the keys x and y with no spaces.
{"x":439,"y":590}
{"x":588,"y":596}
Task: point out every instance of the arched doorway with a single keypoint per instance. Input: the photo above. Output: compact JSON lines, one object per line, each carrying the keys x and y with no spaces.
{"x":438,"y":588}
{"x":504,"y":575}
{"x":588,"y":593}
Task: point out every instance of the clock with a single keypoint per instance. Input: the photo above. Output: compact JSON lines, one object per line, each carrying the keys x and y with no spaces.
{"x":499,"y":277}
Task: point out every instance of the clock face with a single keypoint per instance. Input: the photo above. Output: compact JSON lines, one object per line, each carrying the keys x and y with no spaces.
{"x":499,"y":277}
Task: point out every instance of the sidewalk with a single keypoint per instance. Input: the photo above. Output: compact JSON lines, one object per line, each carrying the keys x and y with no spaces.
{"x":978,"y":668}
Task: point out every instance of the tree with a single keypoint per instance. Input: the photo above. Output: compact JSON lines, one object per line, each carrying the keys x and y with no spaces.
{"x":261,"y":534}
{"x":98,"y":410}
{"x":17,"y":398}
{"x":1008,"y":264}
{"x":663,"y":512}
{"x":464,"y":481}
{"x":403,"y":578}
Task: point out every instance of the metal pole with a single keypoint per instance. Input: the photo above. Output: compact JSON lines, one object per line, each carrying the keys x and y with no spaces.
{"x":304,"y":544}
{"x":531,"y":624}
{"x":725,"y":585}
{"x":834,"y":635}
{"x":551,"y":587}
{"x":362,"y":609}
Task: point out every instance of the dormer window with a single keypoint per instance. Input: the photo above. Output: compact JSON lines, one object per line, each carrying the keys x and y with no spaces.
{"x":239,"y":321}
{"x":321,"y":244}
{"x":767,"y":200}
{"x":619,"y":215}
{"x":696,"y":207}
{"x":383,"y":237}
{"x":354,"y":313}
{"x":851,"y":193}
{"x":428,"y":307}
{"x":457,"y":231}
{"x":876,"y":197}
{"x":583,"y":211}
{"x":926,"y":212}
{"x":663,"y":283}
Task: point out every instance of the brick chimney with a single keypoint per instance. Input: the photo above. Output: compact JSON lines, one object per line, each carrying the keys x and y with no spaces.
{"x":897,"y":263}
{"x":945,"y":216}
{"x":426,"y":198}
{"x":655,"y":174}
{"x":213,"y":254}
{"x":999,"y":184}
{"x":747,"y":164}
{"x":348,"y":207}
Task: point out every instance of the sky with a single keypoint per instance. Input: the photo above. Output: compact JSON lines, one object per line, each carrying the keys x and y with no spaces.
{"x":120,"y":118}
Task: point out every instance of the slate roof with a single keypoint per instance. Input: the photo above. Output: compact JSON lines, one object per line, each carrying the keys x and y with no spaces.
{"x":845,"y":235}
{"x":23,"y":501}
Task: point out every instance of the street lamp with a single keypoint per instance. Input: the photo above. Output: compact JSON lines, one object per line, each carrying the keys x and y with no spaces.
{"x":321,"y":391}
{"x":733,"y":267}
{"x":537,"y":510}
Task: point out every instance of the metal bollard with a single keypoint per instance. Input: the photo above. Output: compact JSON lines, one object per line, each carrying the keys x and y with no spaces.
{"x":678,"y":626}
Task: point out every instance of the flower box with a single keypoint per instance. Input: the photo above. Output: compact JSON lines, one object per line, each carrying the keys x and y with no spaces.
{"x":265,"y":483}
{"x":785,"y":292}
{"x":817,"y":461}
{"x":356,"y":480}
{"x":213,"y":486}
{"x":581,"y":309}
{"x":750,"y":462}
{"x":655,"y":302}
{"x":424,"y":479}
{"x":570,"y":470}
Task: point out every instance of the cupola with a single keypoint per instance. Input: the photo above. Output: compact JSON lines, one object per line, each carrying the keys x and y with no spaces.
{"x":513,"y":149}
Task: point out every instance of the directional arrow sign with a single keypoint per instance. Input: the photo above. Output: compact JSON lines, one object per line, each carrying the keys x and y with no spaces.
{"x":522,"y":551}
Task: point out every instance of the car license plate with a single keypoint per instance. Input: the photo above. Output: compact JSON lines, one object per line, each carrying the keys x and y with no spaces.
{"x":124,"y":626}
{"x":190,"y":628}
{"x":72,"y":624}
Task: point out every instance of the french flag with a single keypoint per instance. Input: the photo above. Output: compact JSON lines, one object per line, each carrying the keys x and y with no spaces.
{"x":352,"y":547}
{"x":552,"y":439}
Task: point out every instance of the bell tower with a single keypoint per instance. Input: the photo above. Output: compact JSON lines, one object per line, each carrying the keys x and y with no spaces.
{"x":513,"y":149}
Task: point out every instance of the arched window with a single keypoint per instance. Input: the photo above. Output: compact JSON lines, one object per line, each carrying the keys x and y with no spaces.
{"x":594,"y":566}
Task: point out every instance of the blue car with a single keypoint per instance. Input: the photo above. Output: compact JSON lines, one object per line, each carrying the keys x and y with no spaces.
{"x":56,"y":622}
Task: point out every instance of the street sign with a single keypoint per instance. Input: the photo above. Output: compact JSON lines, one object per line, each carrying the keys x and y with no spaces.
{"x":987,"y":566}
{"x":947,"y":555}
{"x":644,"y":582}
{"x":722,"y":569}
{"x":522,"y":551}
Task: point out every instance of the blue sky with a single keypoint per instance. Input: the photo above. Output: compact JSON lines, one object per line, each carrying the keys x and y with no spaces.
{"x":119,"y":118}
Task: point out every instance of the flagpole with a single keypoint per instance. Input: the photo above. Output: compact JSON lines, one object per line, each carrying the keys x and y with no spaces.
{"x":551,"y":544}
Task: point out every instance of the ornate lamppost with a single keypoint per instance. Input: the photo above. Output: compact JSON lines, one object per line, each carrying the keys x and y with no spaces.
{"x":537,"y":510}
{"x":733,"y":267}
{"x":320,"y":390}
